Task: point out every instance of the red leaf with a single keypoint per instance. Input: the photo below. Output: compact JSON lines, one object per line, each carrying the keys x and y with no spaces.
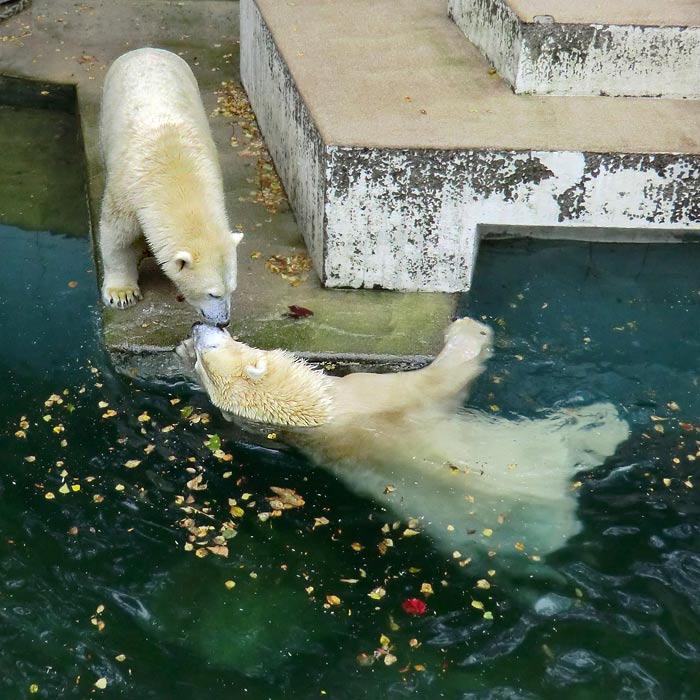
{"x":298,"y":312}
{"x":414,"y":606}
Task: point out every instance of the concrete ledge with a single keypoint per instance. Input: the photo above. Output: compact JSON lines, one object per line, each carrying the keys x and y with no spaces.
{"x":544,"y":47}
{"x":394,"y":172}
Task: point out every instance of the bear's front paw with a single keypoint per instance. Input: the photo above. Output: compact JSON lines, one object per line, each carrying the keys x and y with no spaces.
{"x":121,"y":296}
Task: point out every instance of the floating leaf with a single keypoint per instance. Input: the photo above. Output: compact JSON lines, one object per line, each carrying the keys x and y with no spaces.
{"x":285,"y":498}
{"x":213,"y":443}
{"x":186,"y":412}
{"x":318,"y":522}
{"x":333,"y":600}
{"x":143,"y":418}
{"x":426,"y":589}
{"x":101,"y":683}
{"x":196,"y":483}
{"x":132,"y":463}
{"x":414,"y":606}
{"x":483,"y":583}
{"x":377,"y":593}
{"x":230,"y":584}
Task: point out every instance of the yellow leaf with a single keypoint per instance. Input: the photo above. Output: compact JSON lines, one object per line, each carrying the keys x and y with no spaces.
{"x":101,"y":683}
{"x":488,"y":532}
{"x":64,"y":489}
{"x":426,"y":589}
{"x":483,"y":583}
{"x":230,"y":584}
{"x":384,"y":642}
{"x":130,"y":464}
{"x":120,"y":657}
{"x":144,"y":417}
{"x":377,"y":593}
{"x":333,"y":600}
{"x":477,"y":604}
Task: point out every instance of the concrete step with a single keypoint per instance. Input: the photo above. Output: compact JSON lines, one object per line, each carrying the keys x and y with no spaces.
{"x":399,"y":147}
{"x":643,"y":48}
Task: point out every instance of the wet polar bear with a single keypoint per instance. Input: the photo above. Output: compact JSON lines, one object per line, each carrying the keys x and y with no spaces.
{"x":164,"y":185}
{"x":475,"y":482}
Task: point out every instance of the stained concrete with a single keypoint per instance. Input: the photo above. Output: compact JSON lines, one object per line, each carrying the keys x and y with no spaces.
{"x":641,"y":48}
{"x":63,"y":42}
{"x":400,"y":147}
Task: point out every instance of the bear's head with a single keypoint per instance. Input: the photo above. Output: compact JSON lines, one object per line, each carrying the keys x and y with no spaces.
{"x":205,"y":274}
{"x":272,"y":387}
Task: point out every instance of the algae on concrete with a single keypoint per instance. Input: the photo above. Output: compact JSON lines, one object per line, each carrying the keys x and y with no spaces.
{"x":42,"y":172}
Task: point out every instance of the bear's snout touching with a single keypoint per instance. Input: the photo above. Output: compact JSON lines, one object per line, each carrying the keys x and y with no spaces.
{"x":207,"y":337}
{"x":215,"y":311}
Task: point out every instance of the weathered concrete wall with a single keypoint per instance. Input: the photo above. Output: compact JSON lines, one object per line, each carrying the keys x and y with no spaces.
{"x":495,"y":29}
{"x":290,"y":134}
{"x":582,"y":59}
{"x":572,"y":59}
{"x":410,"y":219}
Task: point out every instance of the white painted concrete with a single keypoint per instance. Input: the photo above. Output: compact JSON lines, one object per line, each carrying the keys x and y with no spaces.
{"x":428,"y":239}
{"x":584,"y":58}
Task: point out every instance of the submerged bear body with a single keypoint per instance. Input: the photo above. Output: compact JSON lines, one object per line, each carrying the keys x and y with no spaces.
{"x":473,"y":481}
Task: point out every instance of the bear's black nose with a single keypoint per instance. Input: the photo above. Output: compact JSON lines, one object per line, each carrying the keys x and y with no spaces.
{"x":222,"y":325}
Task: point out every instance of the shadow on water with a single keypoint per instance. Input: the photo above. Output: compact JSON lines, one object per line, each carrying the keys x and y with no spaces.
{"x":111,"y":566}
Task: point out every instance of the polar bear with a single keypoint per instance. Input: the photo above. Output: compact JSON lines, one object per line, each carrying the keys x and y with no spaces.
{"x":164,"y":185}
{"x":475,"y":482}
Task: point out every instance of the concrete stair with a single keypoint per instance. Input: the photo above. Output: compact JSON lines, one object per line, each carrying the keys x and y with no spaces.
{"x":643,"y":48}
{"x":400,"y":147}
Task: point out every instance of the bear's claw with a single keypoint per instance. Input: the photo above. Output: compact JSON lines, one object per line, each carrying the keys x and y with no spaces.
{"x":121,"y":297}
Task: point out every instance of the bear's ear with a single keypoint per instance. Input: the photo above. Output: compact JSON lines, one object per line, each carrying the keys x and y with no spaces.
{"x":237,"y":237}
{"x":182,"y":260}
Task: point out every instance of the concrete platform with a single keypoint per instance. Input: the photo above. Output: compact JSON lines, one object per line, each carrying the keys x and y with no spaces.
{"x":399,"y":147}
{"x":62,"y":42}
{"x":549,"y":47}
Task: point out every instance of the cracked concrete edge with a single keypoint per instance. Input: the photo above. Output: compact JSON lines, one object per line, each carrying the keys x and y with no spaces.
{"x":555,"y":58}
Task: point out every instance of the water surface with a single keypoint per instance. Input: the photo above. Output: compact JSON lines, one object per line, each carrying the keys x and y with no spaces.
{"x":97,"y":584}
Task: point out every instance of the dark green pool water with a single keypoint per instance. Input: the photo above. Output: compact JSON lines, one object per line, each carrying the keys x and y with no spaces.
{"x":96,"y":585}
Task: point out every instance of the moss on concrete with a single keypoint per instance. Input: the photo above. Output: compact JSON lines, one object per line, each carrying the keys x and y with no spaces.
{"x":42,"y":175}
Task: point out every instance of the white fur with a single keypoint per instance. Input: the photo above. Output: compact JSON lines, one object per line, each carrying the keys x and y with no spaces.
{"x":404,"y":440}
{"x":163,"y":180}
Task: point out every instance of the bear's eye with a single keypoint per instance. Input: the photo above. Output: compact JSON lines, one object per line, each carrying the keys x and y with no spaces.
{"x":215,"y":296}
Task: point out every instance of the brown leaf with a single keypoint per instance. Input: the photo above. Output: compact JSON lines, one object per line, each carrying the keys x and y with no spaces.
{"x":296,"y":312}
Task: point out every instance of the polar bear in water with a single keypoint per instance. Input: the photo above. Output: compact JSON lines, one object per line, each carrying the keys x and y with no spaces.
{"x":475,"y":482}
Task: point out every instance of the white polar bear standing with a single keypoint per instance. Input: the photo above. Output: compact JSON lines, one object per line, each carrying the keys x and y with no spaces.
{"x":474,"y":482}
{"x":163,"y":180}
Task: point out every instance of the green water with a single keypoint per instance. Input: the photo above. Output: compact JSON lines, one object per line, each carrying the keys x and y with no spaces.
{"x":96,"y":584}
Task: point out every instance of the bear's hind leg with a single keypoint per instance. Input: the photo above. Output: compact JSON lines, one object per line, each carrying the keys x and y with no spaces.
{"x":121,"y":254}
